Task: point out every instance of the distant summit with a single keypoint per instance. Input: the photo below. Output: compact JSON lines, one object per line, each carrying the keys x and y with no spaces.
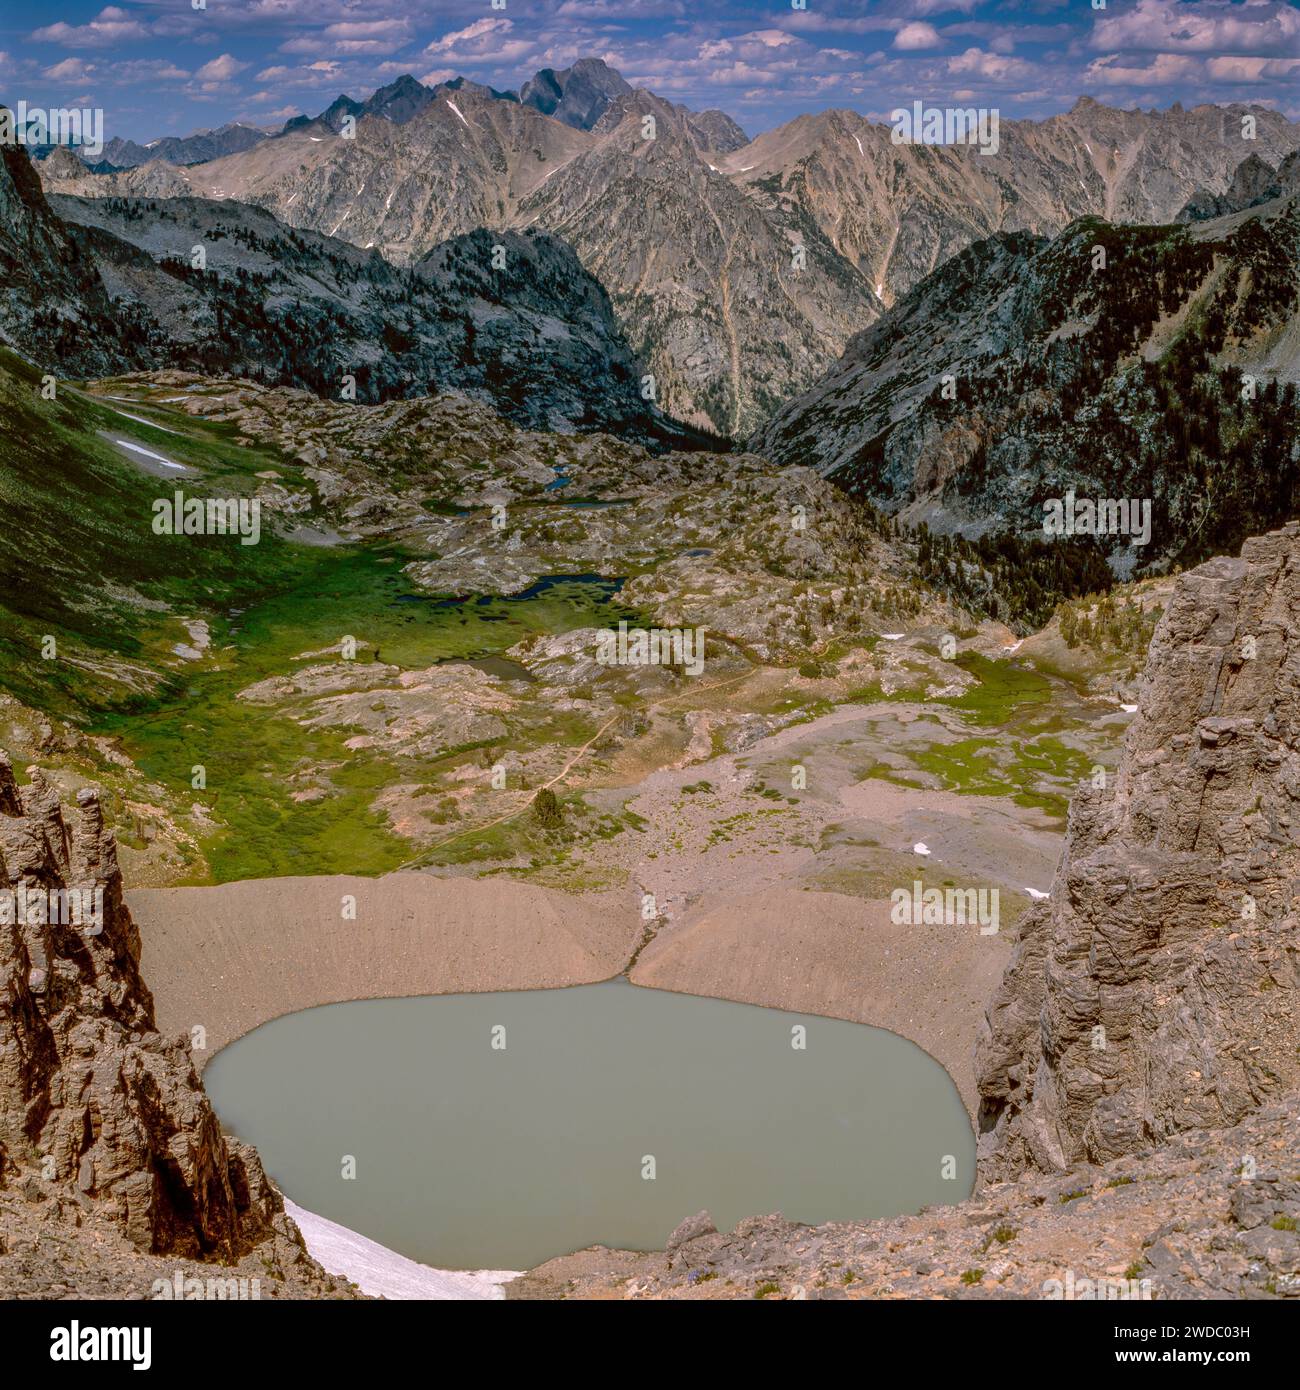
{"x":579,"y":96}
{"x":196,"y":148}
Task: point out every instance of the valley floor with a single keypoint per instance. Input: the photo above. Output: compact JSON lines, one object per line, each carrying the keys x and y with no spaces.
{"x":404,"y":682}
{"x":765,"y":896}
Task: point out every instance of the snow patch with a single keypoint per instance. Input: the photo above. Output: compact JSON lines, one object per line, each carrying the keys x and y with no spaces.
{"x":382,"y":1272}
{"x":1036,"y":895}
{"x":556,"y":170}
{"x":893,"y":636}
{"x":126,"y":415}
{"x":1129,"y":709}
{"x":149,"y":453}
{"x":858,"y":143}
{"x":456,"y":109}
{"x":920,"y":847}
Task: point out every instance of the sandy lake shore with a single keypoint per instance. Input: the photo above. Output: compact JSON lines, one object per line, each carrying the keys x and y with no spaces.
{"x":230,"y":958}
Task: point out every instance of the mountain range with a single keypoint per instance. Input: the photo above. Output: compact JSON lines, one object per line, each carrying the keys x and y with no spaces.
{"x":738,"y":269}
{"x":107,"y":285}
{"x":1111,"y":361}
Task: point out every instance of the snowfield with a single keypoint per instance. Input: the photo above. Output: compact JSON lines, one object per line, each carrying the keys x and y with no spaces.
{"x":376,"y":1270}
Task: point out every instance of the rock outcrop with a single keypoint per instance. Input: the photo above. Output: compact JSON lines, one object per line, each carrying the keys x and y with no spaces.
{"x":1155,"y":991}
{"x":95,"y":1104}
{"x":1255,"y":181}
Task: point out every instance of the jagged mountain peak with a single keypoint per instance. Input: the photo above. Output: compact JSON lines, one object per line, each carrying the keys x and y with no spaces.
{"x":578,"y":95}
{"x":1254,"y":181}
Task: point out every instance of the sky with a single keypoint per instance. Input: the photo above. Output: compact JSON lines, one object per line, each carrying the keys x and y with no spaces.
{"x":165,"y":67}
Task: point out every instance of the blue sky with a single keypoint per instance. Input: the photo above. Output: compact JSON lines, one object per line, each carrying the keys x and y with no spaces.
{"x":162,"y":67}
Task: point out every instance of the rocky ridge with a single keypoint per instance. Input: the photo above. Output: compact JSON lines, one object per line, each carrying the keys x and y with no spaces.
{"x":701,"y":266}
{"x":511,"y":318}
{"x":104,"y":1122}
{"x":1255,"y":181}
{"x":1155,"y":991}
{"x":1024,"y":368}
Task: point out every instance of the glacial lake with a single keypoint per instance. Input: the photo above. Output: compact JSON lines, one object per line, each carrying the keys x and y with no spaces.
{"x":495,"y":1131}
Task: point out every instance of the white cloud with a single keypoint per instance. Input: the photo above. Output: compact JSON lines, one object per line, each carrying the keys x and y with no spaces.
{"x":472,"y":36}
{"x":323,"y":73}
{"x":369,"y":29}
{"x":1268,"y":28}
{"x":371,"y":36}
{"x":70,"y":70}
{"x":315,"y":44}
{"x":995,"y":66}
{"x":111,"y":25}
{"x":917,"y":35}
{"x":1164,"y":68}
{"x":1251,"y":69}
{"x":220,"y":69}
{"x":769,"y":38}
{"x":147,"y":70}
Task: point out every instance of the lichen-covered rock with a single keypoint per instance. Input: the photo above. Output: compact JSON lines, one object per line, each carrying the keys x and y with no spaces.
{"x":1155,"y":991}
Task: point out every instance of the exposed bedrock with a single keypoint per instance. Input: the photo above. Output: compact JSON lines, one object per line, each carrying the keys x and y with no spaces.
{"x":1155,"y":991}
{"x":94,"y":1101}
